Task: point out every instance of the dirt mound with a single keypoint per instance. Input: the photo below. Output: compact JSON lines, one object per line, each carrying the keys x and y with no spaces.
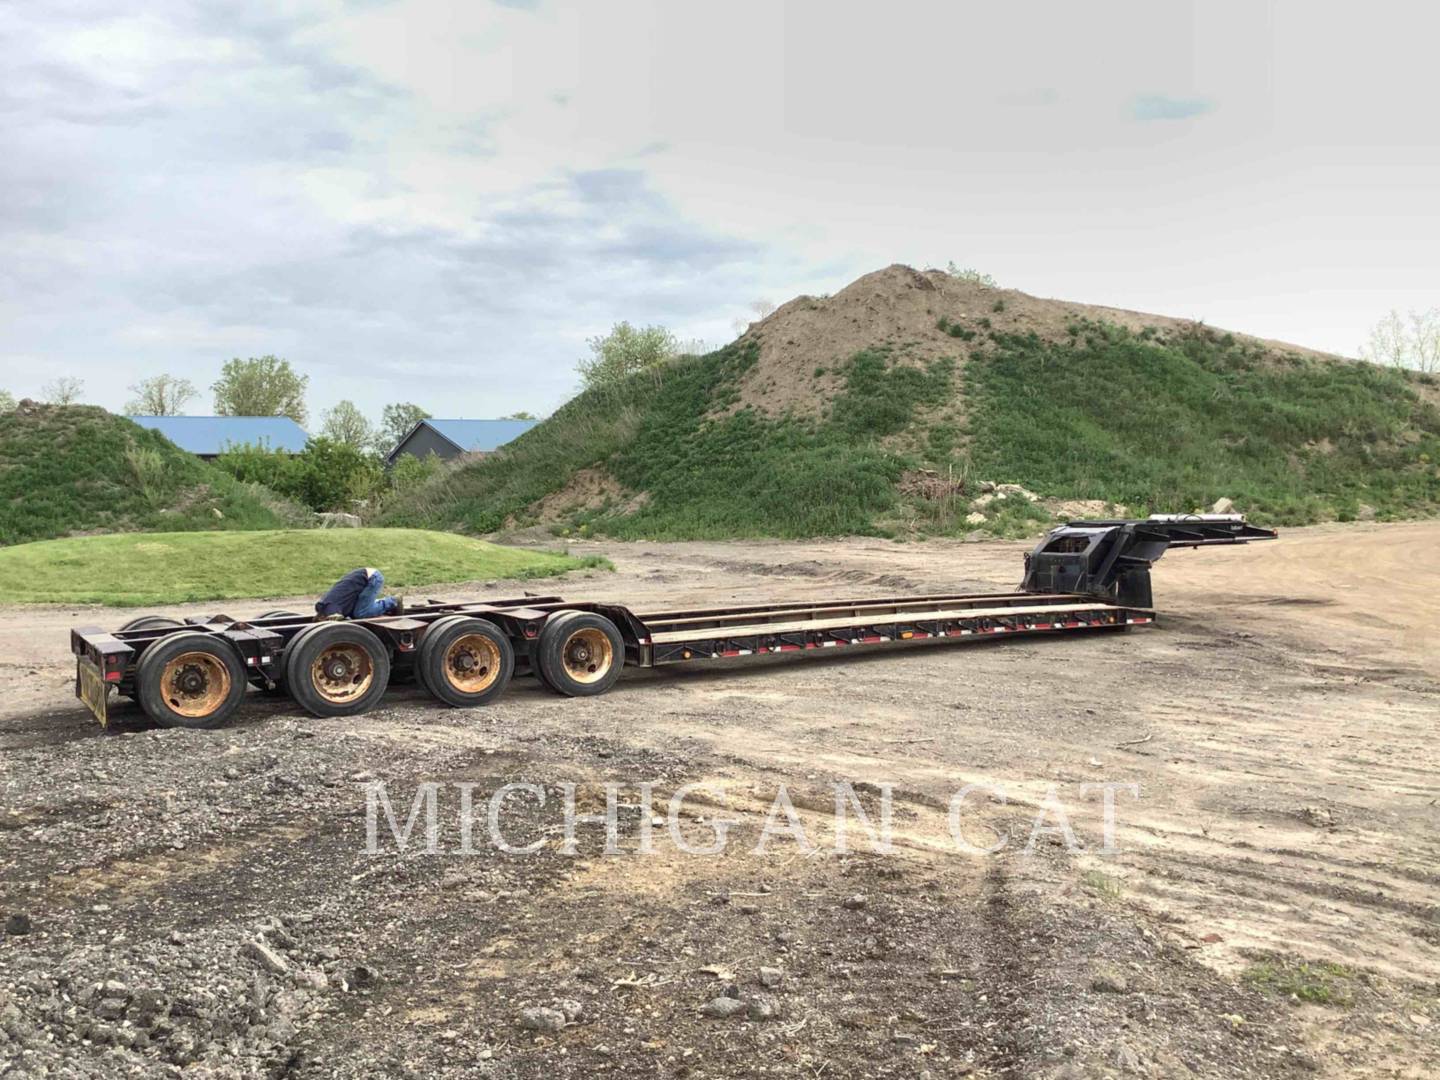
{"x":71,"y":470}
{"x":867,"y":412}
{"x":589,"y":489}
{"x":903,"y":308}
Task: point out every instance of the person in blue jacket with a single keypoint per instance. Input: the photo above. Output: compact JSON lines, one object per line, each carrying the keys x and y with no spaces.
{"x":357,"y":596}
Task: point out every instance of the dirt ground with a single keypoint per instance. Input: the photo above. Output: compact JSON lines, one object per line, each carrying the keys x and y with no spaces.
{"x":202,"y":902}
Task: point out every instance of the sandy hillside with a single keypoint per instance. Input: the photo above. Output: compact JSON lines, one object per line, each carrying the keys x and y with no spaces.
{"x":901,"y":307}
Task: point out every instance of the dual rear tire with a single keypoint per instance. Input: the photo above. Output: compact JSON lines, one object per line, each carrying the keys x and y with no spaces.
{"x":578,"y":654}
{"x":336,"y":669}
{"x":197,"y":680}
{"x":190,"y":680}
{"x":464,"y":661}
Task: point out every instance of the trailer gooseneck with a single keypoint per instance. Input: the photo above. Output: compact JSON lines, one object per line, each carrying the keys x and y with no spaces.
{"x":1083,"y":575}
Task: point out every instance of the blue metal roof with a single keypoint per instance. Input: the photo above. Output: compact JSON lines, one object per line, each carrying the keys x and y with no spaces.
{"x":476,"y":435}
{"x":213,"y":434}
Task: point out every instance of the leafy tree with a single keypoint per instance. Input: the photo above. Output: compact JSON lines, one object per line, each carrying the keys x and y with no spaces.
{"x":625,"y":351}
{"x":160,"y":395}
{"x":346,"y":424}
{"x":7,"y":401}
{"x":396,"y":421}
{"x":971,"y":275}
{"x":63,"y":391}
{"x":261,"y":386}
{"x":336,"y":475}
{"x":521,"y":415}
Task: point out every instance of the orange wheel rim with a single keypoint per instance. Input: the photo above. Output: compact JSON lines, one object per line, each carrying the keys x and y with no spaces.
{"x":342,"y":673}
{"x":195,"y":684}
{"x":588,"y":655}
{"x":472,"y":663}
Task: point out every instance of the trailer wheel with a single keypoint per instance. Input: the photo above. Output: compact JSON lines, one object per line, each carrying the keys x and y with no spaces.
{"x":146,"y":622}
{"x":337,"y":669}
{"x":465,"y":661}
{"x":191,"y":680}
{"x":433,"y":630}
{"x":580,"y":653}
{"x":151,"y":622}
{"x":283,"y":666}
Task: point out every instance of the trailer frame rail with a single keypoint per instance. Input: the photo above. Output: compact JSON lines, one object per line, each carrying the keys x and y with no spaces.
{"x":1086,"y":575}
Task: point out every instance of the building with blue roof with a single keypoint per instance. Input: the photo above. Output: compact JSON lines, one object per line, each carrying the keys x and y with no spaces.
{"x":208,"y":436}
{"x":451,"y":438}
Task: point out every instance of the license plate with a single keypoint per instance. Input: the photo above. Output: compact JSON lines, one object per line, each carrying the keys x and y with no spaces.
{"x":91,"y":688}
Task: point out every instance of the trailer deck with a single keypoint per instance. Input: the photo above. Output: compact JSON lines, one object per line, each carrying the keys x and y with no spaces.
{"x":1082,"y":576}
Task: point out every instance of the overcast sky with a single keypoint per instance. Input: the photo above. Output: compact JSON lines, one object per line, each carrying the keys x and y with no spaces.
{"x":440,"y":202}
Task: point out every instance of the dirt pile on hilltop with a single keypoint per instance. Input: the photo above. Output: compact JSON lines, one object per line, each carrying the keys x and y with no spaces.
{"x":827,"y":417}
{"x":902,"y":308}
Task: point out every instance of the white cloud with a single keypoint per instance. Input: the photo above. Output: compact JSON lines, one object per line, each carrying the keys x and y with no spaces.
{"x":441,"y":201}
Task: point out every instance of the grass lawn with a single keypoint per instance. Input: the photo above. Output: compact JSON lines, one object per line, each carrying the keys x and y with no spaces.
{"x":133,"y":569}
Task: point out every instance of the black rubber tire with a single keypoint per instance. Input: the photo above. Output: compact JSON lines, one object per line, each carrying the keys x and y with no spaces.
{"x":430,"y":666}
{"x":559,"y":630}
{"x":420,"y":676}
{"x":151,"y":622}
{"x":420,"y":679}
{"x":536,"y":670}
{"x":314,"y":640}
{"x":160,"y":702}
{"x":280,"y":681}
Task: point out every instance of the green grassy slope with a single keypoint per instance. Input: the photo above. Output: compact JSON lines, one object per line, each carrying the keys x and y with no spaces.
{"x":706,"y":476}
{"x":1175,"y":424}
{"x":77,"y":468}
{"x":167,"y":568}
{"x":1154,"y":423}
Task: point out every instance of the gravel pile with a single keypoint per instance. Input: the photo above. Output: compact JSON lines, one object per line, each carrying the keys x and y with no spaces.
{"x":232,"y":999}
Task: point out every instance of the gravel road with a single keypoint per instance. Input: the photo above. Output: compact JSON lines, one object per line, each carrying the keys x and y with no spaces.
{"x":203,"y":903}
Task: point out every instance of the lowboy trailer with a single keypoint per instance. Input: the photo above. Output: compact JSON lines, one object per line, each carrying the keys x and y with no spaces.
{"x":1085,"y":575}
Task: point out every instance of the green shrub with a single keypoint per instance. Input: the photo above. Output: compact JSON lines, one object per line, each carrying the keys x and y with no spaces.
{"x":410,"y":471}
{"x":337,"y":476}
{"x":954,"y":329}
{"x":326,"y":475}
{"x":278,"y":470}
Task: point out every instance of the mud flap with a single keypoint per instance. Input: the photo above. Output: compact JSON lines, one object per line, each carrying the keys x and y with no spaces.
{"x":92,"y":689}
